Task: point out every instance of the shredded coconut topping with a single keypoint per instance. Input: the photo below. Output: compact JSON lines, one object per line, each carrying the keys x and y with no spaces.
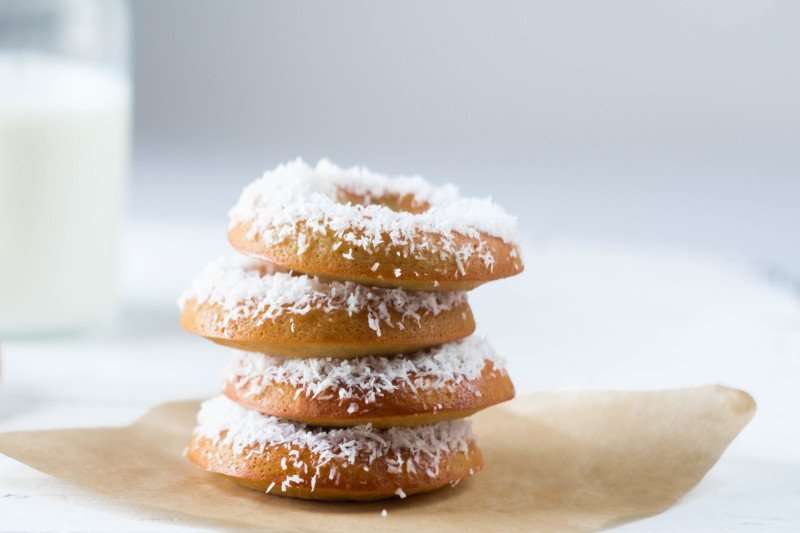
{"x":365,"y":378}
{"x":419,"y":447}
{"x":249,"y":289}
{"x":296,"y":193}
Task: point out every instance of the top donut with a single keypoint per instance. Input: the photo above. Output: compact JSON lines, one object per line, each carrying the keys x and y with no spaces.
{"x":352,"y":224}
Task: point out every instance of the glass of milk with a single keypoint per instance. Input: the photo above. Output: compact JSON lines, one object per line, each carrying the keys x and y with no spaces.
{"x":65,"y":106}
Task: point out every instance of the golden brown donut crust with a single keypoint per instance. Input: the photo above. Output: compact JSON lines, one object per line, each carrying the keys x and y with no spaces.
{"x":423,"y":270}
{"x":400,"y":407}
{"x":258,"y":470}
{"x":327,"y":334}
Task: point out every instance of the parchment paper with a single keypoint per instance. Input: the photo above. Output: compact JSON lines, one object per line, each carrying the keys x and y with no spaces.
{"x":568,"y":461}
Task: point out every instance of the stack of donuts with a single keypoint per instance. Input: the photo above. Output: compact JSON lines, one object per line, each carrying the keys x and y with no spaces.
{"x":354,"y":364}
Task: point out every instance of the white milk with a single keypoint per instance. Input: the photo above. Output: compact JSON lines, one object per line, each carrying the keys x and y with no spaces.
{"x":64,"y":142}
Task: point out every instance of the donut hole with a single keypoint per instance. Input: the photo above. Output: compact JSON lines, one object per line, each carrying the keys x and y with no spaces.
{"x":401,"y":203}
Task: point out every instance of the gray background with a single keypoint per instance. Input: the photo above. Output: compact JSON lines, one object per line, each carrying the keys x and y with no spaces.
{"x":659,"y":123}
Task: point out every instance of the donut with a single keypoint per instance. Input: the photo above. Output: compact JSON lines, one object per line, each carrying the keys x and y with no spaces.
{"x":255,"y":306}
{"x":356,"y":225}
{"x":451,"y":381}
{"x":286,"y":458}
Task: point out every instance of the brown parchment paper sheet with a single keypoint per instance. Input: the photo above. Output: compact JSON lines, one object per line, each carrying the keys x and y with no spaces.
{"x":561,"y":461}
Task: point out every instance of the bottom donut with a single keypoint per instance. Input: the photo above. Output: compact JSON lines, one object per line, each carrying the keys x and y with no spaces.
{"x":287,"y":458}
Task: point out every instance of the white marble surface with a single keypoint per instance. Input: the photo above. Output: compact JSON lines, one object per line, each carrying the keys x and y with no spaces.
{"x":581,"y":316}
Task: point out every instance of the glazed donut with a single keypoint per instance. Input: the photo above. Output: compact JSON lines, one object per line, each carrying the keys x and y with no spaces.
{"x":255,"y":306}
{"x":364,"y":227}
{"x":359,"y":463}
{"x":451,"y":381}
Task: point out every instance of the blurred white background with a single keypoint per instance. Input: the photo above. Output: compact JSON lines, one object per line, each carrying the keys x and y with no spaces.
{"x":663,"y":122}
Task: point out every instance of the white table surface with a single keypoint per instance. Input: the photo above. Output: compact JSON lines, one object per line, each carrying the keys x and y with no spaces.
{"x":582,"y":315}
